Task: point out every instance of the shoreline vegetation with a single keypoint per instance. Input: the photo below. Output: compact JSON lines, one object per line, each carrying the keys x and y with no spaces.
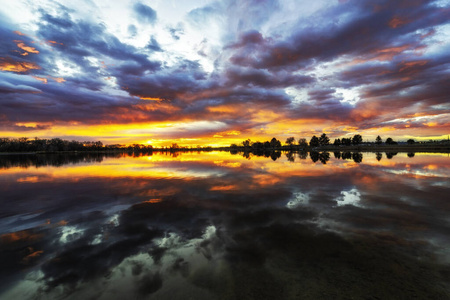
{"x":316,"y":144}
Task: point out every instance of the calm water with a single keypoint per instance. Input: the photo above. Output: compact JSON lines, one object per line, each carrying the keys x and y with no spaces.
{"x":221,"y":226}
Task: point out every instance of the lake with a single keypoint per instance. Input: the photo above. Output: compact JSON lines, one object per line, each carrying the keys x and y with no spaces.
{"x":215,"y":225}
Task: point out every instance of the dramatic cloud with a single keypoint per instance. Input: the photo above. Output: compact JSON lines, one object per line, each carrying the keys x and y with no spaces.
{"x":255,"y":66}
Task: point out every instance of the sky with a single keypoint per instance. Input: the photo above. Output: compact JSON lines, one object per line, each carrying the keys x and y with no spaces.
{"x":218,"y":72}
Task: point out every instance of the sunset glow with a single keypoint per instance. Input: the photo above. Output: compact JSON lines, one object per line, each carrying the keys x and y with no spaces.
{"x":218,"y":72}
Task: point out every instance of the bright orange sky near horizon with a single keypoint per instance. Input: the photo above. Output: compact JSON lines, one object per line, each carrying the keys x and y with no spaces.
{"x":224,"y":72}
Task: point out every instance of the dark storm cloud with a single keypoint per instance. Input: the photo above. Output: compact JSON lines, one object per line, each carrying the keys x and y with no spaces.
{"x":11,"y":88}
{"x":260,"y":78}
{"x":416,"y":83}
{"x":370,"y":28}
{"x":322,"y":95}
{"x":27,"y":101}
{"x":145,"y":13}
{"x":327,"y":110}
{"x":247,"y":39}
{"x":164,"y":86}
{"x":64,"y":20}
{"x":82,"y":39}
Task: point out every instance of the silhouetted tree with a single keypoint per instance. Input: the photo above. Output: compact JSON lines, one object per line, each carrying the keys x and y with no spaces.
{"x":257,"y":146}
{"x":357,"y":157}
{"x":411,"y":142}
{"x":324,"y":140}
{"x":303,"y":154}
{"x":346,"y":141}
{"x":390,"y":141}
{"x":378,"y":156}
{"x":57,"y":144}
{"x":290,"y":156}
{"x":290,"y":141}
{"x":274,"y":143}
{"x":357,"y":139}
{"x":302,"y":142}
{"x":411,"y":154}
{"x":246,"y":143}
{"x":390,"y":155}
{"x":337,"y":154}
{"x":378,"y":140}
{"x":314,"y":142}
{"x":337,"y":142}
{"x":232,"y":151}
{"x":324,"y":157}
{"x":314,"y":156}
{"x":275,"y":155}
{"x":346,"y":155}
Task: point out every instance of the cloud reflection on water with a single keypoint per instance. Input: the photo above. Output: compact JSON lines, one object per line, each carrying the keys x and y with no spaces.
{"x":225,"y":227}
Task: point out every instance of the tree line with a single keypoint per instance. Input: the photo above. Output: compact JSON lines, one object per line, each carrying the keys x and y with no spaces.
{"x":24,"y":144}
{"x":315,"y":141}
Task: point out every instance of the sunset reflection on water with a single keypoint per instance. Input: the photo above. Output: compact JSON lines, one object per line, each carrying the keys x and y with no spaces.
{"x":214,"y":225}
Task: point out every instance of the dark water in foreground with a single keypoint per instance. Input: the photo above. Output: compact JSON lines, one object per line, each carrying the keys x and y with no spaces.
{"x":221,"y":226}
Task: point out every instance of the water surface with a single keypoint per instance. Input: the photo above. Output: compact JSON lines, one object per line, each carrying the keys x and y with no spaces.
{"x":213,"y":225}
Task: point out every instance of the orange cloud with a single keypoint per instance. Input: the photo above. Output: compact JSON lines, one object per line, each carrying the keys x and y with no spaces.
{"x":10,"y":65}
{"x":223,"y":109}
{"x":389,"y":53}
{"x":224,"y":187}
{"x":57,"y":79}
{"x":151,"y":98}
{"x":19,"y":33}
{"x":42,"y":79}
{"x":227,"y":133}
{"x":152,"y":201}
{"x":412,"y":64}
{"x":19,"y":236}
{"x":51,"y":43}
{"x":31,"y":256}
{"x":26,"y":48}
{"x":397,"y":21}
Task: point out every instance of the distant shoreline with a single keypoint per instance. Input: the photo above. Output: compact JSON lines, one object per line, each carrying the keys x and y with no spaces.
{"x":426,"y":148}
{"x":384,"y":148}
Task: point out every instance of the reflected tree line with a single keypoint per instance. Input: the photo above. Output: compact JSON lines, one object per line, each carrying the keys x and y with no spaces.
{"x":58,"y":159}
{"x":301,"y":148}
{"x":317,"y":156}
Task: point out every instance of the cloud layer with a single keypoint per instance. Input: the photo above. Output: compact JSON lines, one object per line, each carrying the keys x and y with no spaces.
{"x":337,"y":67}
